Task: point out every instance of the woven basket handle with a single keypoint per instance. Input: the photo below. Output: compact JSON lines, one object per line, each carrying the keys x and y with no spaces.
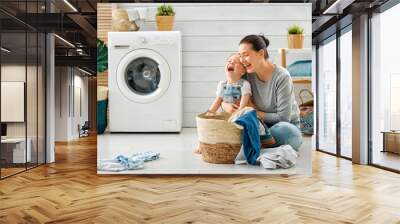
{"x":305,"y":91}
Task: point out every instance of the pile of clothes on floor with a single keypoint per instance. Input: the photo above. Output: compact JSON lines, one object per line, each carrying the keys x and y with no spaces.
{"x":122,"y":163}
{"x":254,"y":130}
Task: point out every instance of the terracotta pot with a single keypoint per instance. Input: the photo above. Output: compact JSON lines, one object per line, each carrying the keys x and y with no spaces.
{"x":295,"y":41}
{"x":165,"y":23}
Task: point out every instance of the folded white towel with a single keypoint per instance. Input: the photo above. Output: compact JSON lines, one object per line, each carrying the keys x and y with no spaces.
{"x":137,"y":14}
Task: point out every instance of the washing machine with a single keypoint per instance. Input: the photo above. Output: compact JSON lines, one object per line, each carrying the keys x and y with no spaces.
{"x":145,"y":81}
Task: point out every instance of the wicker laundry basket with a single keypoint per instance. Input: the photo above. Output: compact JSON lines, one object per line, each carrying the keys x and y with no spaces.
{"x":219,"y":140}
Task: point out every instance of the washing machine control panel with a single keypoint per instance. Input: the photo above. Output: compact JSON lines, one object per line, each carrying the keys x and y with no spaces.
{"x":142,"y":40}
{"x":154,"y":41}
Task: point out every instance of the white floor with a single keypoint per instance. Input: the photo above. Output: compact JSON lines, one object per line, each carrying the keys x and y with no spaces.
{"x":177,"y":157}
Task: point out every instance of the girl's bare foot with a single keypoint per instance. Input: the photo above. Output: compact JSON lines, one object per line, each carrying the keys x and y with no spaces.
{"x":267,"y":143}
{"x":198,"y":150}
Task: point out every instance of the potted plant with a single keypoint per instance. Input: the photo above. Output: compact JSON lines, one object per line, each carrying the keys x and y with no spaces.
{"x":102,"y":56}
{"x":102,"y":66}
{"x":165,"y":17}
{"x":295,"y":37}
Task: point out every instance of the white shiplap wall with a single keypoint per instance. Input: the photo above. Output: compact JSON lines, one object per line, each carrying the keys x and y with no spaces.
{"x":211,"y":32}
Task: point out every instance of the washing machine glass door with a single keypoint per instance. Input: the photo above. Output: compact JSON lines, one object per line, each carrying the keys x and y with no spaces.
{"x":143,"y":76}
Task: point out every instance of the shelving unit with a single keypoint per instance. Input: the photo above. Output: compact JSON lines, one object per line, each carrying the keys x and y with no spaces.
{"x":285,"y":51}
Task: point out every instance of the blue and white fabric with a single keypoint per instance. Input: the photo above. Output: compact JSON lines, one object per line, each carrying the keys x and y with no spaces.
{"x":145,"y":156}
{"x":122,"y":163}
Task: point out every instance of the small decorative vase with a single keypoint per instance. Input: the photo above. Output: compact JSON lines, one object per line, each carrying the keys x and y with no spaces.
{"x":295,"y":41}
{"x":165,"y":23}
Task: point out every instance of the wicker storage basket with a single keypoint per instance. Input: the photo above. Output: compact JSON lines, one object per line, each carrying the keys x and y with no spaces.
{"x":219,"y":140}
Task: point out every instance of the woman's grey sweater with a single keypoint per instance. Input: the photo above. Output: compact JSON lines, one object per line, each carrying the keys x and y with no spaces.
{"x":275,"y":97}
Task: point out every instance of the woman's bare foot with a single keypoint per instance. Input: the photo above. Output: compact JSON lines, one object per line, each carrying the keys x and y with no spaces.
{"x":197,"y":150}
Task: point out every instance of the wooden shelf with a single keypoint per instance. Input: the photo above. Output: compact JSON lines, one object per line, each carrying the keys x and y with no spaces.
{"x":285,"y":51}
{"x":295,"y":51}
{"x":302,"y":81}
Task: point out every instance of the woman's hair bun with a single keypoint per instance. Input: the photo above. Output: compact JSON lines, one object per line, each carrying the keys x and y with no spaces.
{"x":266,"y":41}
{"x":258,"y":42}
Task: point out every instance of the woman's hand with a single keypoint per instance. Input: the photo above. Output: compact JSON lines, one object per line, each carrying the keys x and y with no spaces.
{"x":260,"y":114}
{"x":229,"y":107}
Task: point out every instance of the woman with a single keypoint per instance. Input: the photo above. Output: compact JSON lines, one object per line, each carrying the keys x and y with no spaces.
{"x":272,"y":92}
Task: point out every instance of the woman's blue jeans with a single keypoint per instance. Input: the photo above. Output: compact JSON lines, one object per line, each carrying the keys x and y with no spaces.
{"x":286,"y":133}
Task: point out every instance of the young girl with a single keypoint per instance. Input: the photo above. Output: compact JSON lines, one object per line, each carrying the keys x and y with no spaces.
{"x":234,"y":89}
{"x":237,"y":91}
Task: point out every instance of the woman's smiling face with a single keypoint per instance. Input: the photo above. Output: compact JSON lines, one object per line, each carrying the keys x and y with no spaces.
{"x":250,"y":58}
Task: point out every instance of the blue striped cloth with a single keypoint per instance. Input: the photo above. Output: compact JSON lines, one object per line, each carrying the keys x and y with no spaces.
{"x":122,"y":163}
{"x":145,"y":156}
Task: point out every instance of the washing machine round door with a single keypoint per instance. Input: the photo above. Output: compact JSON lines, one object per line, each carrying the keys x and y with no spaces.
{"x":143,"y":76}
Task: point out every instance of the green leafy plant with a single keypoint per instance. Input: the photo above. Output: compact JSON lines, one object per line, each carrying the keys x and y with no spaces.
{"x":165,"y":10}
{"x":102,"y":56}
{"x":295,"y":29}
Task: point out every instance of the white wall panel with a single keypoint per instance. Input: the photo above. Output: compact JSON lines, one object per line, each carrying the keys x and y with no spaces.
{"x":229,"y":28}
{"x":203,"y":74}
{"x":212,"y":31}
{"x":215,"y":58}
{"x":231,"y":43}
{"x":196,"y":105}
{"x":235,"y":12}
{"x":189,"y":119}
{"x":199,"y":89}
